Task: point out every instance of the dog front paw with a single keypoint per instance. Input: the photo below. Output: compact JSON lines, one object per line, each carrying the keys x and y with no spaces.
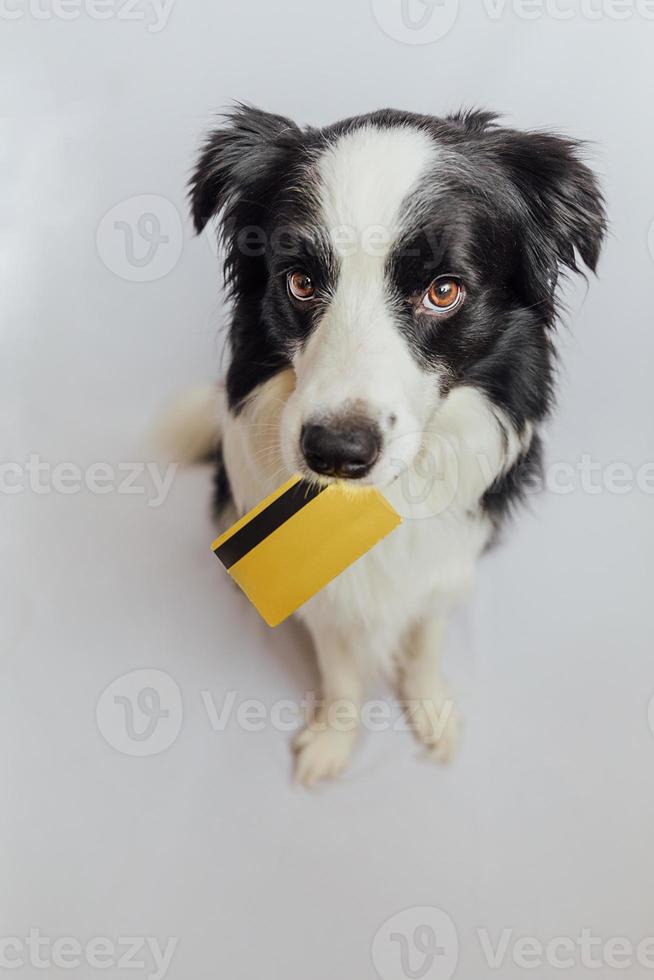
{"x":321,"y":753}
{"x":436,"y":724}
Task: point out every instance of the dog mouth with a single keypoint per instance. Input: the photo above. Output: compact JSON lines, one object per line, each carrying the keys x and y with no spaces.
{"x":383,"y":474}
{"x":318,"y":479}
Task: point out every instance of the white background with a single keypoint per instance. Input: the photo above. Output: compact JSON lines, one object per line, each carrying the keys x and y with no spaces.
{"x":544,"y":823}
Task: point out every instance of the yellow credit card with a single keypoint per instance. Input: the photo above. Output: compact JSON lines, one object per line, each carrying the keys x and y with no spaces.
{"x":298,"y":539}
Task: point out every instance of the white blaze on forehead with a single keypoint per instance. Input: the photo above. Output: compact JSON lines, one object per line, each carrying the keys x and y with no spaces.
{"x":365,"y":177}
{"x":357,"y":351}
{"x":357,"y":354}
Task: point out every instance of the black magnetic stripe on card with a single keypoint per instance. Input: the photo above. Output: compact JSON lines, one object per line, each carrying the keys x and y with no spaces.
{"x":267,"y":521}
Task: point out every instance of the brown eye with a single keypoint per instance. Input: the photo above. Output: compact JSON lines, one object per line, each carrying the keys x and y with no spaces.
{"x":443,"y":295}
{"x":301,"y":286}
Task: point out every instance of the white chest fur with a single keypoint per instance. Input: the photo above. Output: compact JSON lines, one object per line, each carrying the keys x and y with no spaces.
{"x":430,"y":558}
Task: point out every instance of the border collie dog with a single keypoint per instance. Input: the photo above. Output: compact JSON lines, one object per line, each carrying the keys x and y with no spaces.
{"x":393,"y":280}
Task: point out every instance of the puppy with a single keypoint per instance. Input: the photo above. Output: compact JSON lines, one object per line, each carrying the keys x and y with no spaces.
{"x":393,"y":280}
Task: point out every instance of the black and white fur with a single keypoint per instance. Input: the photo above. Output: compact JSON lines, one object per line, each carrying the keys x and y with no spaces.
{"x":373,"y":209}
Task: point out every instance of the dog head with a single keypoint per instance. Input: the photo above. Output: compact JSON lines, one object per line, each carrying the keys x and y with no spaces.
{"x":387,"y":259}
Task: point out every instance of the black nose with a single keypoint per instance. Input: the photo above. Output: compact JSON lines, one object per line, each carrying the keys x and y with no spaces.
{"x":347,"y":449}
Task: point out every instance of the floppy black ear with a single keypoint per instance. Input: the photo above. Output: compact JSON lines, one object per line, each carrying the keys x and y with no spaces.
{"x":558,"y":198}
{"x":238,"y":160}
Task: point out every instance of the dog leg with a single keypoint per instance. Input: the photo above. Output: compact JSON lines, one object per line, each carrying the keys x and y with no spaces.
{"x":431,"y":713}
{"x":324,"y":747}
